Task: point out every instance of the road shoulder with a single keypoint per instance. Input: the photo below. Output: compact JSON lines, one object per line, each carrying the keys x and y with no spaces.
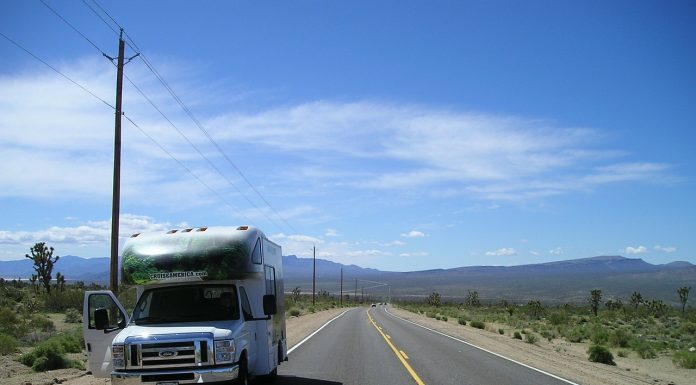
{"x":558,"y":357}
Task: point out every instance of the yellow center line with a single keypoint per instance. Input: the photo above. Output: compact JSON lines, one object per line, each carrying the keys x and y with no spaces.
{"x":403,"y":354}
{"x":397,"y":353}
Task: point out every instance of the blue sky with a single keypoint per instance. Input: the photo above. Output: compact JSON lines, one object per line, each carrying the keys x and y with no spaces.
{"x":394,"y":135}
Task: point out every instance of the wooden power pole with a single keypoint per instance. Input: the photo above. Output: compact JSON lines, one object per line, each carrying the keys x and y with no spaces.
{"x":314,"y":272}
{"x":341,"y":287}
{"x":116,"y":197}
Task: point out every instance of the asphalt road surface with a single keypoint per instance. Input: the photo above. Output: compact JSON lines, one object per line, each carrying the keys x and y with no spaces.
{"x":371,"y":346}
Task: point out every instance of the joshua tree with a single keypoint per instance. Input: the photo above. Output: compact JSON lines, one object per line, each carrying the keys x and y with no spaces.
{"x":595,"y":299}
{"x":472,"y":298}
{"x":43,"y":259}
{"x":535,"y":308}
{"x":33,"y":280}
{"x":636,"y":299}
{"x":60,"y":281}
{"x":296,"y":294}
{"x":683,"y":296}
{"x":434,"y":299}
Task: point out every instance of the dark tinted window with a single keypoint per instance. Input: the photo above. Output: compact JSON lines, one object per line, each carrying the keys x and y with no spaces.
{"x":246,"y":308}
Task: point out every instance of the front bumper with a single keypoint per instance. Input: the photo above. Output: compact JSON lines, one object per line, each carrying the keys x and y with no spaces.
{"x":191,"y":376}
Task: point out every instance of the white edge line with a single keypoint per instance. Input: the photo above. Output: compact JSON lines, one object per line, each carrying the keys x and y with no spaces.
{"x":315,"y":332}
{"x":480,"y":348}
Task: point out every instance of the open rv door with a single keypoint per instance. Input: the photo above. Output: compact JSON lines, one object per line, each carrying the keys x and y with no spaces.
{"x":103,"y":317}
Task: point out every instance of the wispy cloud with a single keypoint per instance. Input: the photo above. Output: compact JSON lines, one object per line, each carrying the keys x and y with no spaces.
{"x":415,"y":254}
{"x":331,"y":233}
{"x":636,"y":250}
{"x":666,"y":249}
{"x":433,"y":151}
{"x":504,"y":252}
{"x":556,"y":251}
{"x":413,"y":234}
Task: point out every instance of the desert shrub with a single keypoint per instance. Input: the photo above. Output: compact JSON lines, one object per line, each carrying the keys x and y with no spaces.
{"x":47,"y":355}
{"x":71,"y":343}
{"x":59,"y":301}
{"x":40,"y":323}
{"x":598,"y":353}
{"x":517,"y":335}
{"x":8,"y":344}
{"x":530,"y":338}
{"x":619,"y":338}
{"x":599,"y":336}
{"x":437,"y":317}
{"x":688,"y":328}
{"x":685,"y":359}
{"x":431,"y":315}
{"x":644,"y":349}
{"x":461,"y":321}
{"x":501,"y":331}
{"x":444,"y":318}
{"x":10,"y":324}
{"x":576,"y":334}
{"x":622,"y":353}
{"x":50,"y":354}
{"x":558,"y":318}
{"x":549,"y":335}
{"x":477,"y":324}
{"x":73,"y":316}
{"x":311,"y":309}
{"x":294,"y":312}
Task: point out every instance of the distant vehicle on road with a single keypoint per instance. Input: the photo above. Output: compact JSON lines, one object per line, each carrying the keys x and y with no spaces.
{"x":373,"y":305}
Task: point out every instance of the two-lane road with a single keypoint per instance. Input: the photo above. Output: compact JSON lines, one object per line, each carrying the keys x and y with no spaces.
{"x":371,"y":346}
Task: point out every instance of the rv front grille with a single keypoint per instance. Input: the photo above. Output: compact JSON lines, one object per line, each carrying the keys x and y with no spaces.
{"x":159,"y":352}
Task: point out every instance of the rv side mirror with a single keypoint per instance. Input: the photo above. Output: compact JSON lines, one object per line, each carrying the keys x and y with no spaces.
{"x":269,"y":304}
{"x":101,"y":319}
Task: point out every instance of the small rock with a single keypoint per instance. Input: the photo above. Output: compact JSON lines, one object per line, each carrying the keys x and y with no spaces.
{"x":692,"y":349}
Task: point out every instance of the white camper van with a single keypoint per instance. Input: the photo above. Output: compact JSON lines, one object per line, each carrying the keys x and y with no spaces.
{"x":209,"y":309}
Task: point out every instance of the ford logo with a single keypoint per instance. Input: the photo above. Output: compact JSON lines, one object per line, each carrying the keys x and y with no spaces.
{"x":168,"y":353}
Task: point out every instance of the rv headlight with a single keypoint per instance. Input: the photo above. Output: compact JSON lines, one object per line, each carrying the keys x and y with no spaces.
{"x":224,"y":351}
{"x":118,"y":356}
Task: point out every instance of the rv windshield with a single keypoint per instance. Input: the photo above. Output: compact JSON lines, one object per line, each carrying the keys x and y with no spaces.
{"x":194,"y":303}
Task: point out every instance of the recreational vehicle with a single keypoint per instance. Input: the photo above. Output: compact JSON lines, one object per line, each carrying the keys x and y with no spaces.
{"x":209,"y":308}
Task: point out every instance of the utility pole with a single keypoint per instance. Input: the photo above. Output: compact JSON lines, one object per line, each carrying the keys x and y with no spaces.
{"x":314,"y":272}
{"x":341,"y":287}
{"x":355,"y":294}
{"x":116,"y":197}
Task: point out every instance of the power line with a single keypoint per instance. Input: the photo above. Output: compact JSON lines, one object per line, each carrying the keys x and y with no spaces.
{"x":100,"y":17}
{"x":186,"y":168}
{"x":72,"y":26}
{"x":131,"y":121}
{"x":57,"y":71}
{"x":190,"y":114}
{"x":107,"y":13}
{"x":202,"y":155}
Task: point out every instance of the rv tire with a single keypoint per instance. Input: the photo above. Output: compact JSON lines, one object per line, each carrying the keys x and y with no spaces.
{"x":243,"y":377}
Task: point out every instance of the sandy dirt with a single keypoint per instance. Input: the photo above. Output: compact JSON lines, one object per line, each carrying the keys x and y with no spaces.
{"x":562,"y":358}
{"x":14,"y":373}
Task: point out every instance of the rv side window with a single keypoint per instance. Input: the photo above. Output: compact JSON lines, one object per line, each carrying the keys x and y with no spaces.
{"x":246,"y":308}
{"x":270,"y":280}
{"x":256,"y":255}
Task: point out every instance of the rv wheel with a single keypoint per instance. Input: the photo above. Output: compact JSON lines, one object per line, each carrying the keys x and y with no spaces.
{"x":243,"y":377}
